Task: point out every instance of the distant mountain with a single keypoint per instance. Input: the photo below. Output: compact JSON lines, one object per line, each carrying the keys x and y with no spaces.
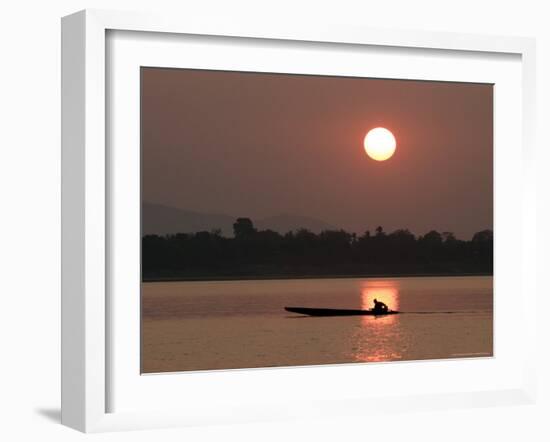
{"x":286,"y":223}
{"x":161,"y":220}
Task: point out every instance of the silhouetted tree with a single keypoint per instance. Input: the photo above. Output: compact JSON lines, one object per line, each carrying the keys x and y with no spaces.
{"x":482,"y":248}
{"x":255,"y":252}
{"x":401,"y":245}
{"x":432,"y":239}
{"x":483,"y":237}
{"x":448,"y":237}
{"x":243,"y":228}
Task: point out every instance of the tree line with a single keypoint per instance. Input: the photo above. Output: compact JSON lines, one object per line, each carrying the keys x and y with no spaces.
{"x":254,"y":253}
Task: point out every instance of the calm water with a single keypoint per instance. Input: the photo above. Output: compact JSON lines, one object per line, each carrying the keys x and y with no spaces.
{"x":242,"y":324}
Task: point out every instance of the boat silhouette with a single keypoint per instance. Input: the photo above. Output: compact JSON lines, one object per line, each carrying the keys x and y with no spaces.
{"x":338,"y":312}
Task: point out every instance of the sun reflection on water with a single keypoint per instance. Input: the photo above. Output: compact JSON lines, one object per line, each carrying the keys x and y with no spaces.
{"x":379,"y":337}
{"x":385,"y":291}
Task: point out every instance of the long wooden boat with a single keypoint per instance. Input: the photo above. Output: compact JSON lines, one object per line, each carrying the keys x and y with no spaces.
{"x":337,"y":312}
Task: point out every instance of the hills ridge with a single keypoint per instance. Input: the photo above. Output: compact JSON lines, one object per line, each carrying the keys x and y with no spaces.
{"x":162,"y":220}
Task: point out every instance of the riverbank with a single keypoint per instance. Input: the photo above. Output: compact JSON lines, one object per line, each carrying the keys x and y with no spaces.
{"x":329,"y":276}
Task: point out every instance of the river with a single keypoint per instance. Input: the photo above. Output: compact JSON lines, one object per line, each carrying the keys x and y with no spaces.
{"x":208,"y":325}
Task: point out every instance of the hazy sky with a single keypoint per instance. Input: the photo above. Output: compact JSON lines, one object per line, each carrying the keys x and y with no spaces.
{"x":258,"y":145}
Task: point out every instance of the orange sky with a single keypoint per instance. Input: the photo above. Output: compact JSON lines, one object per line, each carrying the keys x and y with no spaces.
{"x":258,"y":145}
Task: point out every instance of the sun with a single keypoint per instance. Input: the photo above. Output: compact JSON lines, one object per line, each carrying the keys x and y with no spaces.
{"x":380,"y":144}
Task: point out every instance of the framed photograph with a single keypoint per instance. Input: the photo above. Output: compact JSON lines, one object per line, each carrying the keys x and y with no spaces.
{"x":264,"y":222}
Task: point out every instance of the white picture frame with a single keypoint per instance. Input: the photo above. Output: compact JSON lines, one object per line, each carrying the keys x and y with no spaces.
{"x":87,"y":319}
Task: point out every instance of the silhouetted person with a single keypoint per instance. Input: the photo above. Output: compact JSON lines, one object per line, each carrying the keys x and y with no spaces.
{"x":380,"y":307}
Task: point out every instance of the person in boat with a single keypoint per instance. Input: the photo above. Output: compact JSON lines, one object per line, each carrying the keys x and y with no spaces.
{"x":379,"y":307}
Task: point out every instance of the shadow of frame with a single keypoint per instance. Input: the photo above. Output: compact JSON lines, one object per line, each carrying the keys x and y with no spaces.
{"x":51,"y":414}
